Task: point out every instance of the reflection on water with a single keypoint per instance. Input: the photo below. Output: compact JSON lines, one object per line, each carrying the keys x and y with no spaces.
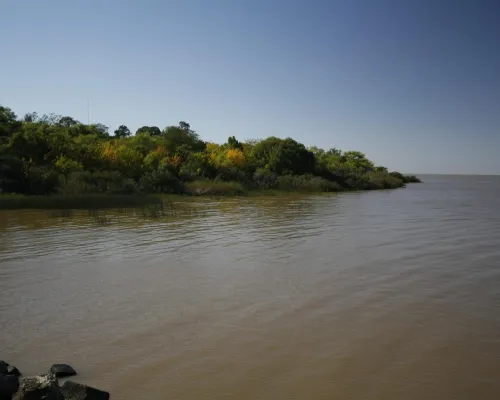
{"x":379,"y":295}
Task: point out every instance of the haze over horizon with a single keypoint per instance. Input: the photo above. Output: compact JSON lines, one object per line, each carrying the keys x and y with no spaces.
{"x":413,"y":84}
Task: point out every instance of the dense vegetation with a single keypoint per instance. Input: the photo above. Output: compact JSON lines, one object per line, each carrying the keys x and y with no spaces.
{"x":53,"y":154}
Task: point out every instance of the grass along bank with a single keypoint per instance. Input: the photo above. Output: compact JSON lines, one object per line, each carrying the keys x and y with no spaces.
{"x":94,"y":201}
{"x":201,"y":187}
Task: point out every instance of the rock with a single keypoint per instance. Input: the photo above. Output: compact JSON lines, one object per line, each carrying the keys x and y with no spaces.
{"x":8,"y":386}
{"x":43,"y":387}
{"x":77,"y":391}
{"x":7,"y":369}
{"x":11,"y":370}
{"x":61,"y":370}
{"x":3,"y":367}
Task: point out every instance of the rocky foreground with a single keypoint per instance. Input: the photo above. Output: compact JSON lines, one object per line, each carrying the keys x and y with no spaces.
{"x":13,"y":386}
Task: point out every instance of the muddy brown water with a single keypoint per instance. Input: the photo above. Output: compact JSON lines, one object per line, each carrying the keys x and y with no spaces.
{"x":376,"y":295}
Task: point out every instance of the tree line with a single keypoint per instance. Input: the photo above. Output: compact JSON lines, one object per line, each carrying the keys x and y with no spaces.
{"x":53,"y":154}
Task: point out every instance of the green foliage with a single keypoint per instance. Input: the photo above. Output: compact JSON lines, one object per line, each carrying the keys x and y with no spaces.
{"x":214,"y":188}
{"x":306,"y":183}
{"x":198,"y":164}
{"x":50,"y":154}
{"x":183,"y":141}
{"x":405,"y":178}
{"x":122,"y":131}
{"x":283,"y":156}
{"x":8,"y":122}
{"x":66,"y":165}
{"x":233,"y":143}
{"x":263,"y":178}
{"x":411,"y":179}
{"x":160,"y":181}
{"x":149,"y":131}
{"x":67,"y":122}
{"x":86,"y":182}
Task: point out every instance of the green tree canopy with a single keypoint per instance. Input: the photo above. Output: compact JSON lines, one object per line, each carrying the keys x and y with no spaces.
{"x":53,"y":154}
{"x":283,"y":156}
{"x":148,"y":130}
{"x":122,"y":131}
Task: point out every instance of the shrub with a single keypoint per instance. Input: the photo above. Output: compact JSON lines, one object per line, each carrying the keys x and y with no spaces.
{"x":206,"y":187}
{"x":264,"y":179}
{"x":160,"y":181}
{"x":86,"y":182}
{"x":306,"y":183}
{"x":382,"y":180}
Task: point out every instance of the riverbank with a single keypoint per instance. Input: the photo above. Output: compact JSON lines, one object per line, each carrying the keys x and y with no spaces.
{"x":109,"y":201}
{"x":18,"y":202}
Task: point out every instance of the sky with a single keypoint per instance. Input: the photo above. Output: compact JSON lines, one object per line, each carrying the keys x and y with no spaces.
{"x":414,"y":84}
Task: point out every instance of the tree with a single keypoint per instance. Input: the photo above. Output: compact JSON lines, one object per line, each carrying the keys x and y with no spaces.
{"x":154,"y":131}
{"x":49,"y":119}
{"x":66,"y":165}
{"x":122,"y":131}
{"x":53,"y":154}
{"x":148,"y":130}
{"x":30,"y":117}
{"x":101,"y":129}
{"x":8,"y":122}
{"x":233,"y":143}
{"x":67,"y":122}
{"x":356,"y":160}
{"x":176,"y":138}
{"x":334,"y":152}
{"x":283,"y":156}
{"x":184,"y":126}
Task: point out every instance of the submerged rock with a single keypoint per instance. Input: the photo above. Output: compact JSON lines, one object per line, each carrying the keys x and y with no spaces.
{"x":61,"y":370}
{"x":43,"y":387}
{"x":8,"y":386}
{"x":77,"y":391}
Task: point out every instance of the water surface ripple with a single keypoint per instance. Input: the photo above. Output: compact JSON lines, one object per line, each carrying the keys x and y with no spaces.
{"x":376,"y":295}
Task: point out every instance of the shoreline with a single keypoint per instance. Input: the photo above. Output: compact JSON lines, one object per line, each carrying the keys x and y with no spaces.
{"x":113,"y":201}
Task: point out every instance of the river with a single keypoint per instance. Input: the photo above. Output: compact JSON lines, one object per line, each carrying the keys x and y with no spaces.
{"x":374,"y":295}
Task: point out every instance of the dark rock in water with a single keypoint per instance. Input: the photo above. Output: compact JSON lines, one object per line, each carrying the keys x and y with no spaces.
{"x":77,"y":391}
{"x":61,"y":370}
{"x":43,"y":387}
{"x":8,"y":386}
{"x":11,"y":370}
{"x":7,"y":369}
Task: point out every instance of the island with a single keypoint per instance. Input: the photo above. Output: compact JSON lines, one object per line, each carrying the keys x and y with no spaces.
{"x":58,"y":157}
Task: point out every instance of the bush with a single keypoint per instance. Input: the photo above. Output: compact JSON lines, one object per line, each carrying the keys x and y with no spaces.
{"x":382,"y":180}
{"x":264,"y":179}
{"x":206,"y":187}
{"x":411,"y":179}
{"x":41,"y":180}
{"x":228,"y":174}
{"x":306,"y":183}
{"x":405,"y":178}
{"x":86,"y":182}
{"x":161,"y":181}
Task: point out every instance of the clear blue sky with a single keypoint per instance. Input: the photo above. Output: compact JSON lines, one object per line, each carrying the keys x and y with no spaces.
{"x":415,"y":84}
